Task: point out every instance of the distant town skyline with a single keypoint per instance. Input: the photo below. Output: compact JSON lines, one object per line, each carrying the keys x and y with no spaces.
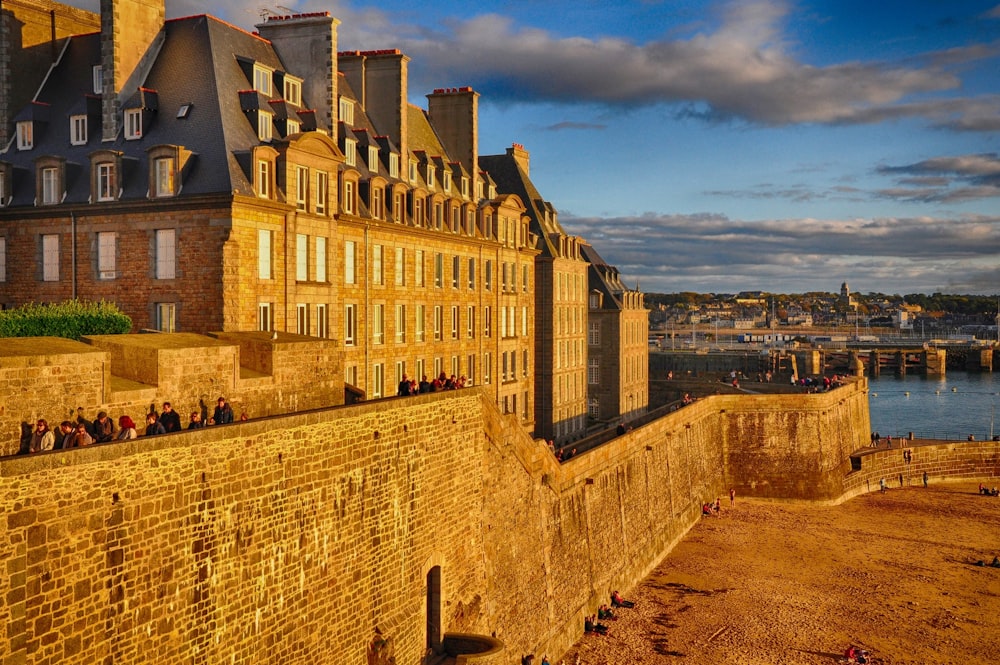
{"x":729,"y":146}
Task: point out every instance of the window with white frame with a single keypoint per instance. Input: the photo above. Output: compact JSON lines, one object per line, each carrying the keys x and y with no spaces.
{"x":378,"y":272}
{"x":50,"y":258}
{"x":472,"y":273}
{"x":292,"y":127}
{"x":524,"y":321}
{"x":293,"y":91}
{"x":165,"y":172}
{"x":400,"y":324}
{"x":322,"y":193}
{"x":455,"y":367}
{"x":322,"y":321}
{"x":264,"y":171}
{"x":350,"y":254}
{"x":378,"y":380}
{"x":487,"y":366}
{"x":265,"y":316}
{"x":301,"y":188}
{"x":438,"y":215}
{"x":418,"y":210}
{"x":107,"y":183}
{"x":378,"y":324}
{"x":302,"y":319}
{"x":487,"y":320}
{"x":438,"y":322}
{"x":438,"y":366}
{"x":348,"y":203}
{"x":454,"y":322}
{"x":413,"y":171}
{"x":400,"y":371}
{"x":456,"y":269}
{"x":594,"y":371}
{"x":503,"y":321}
{"x":350,"y":152}
{"x":399,"y":273}
{"x":431,"y":175}
{"x":438,"y":270}
{"x":398,"y":209}
{"x":393,"y":165}
{"x":301,"y":257}
{"x":524,"y":278}
{"x":446,"y":180}
{"x":418,"y":324}
{"x":347,"y":111}
{"x":321,"y":260}
{"x":470,"y":370}
{"x":465,"y":187}
{"x":373,"y":158}
{"x":262,"y":77}
{"x":470,"y":323}
{"x":418,"y":267}
{"x":133,"y":124}
{"x":594,"y":407}
{"x":50,"y":185}
{"x":3,"y":259}
{"x":420,"y":366}
{"x":351,"y":375}
{"x":489,"y":275}
{"x":378,"y":202}
{"x":265,"y":126}
{"x":166,"y":317}
{"x":265,"y":256}
{"x":25,"y":135}
{"x":594,"y":334}
{"x":350,"y":324}
{"x":107,"y":245}
{"x":166,"y":253}
{"x":524,"y":363}
{"x":97,"y":74}
{"x":78,"y":130}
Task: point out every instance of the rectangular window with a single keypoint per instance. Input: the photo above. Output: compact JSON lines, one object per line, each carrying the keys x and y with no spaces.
{"x":166,"y":317}
{"x":594,"y":334}
{"x":400,"y":371}
{"x":301,"y":257}
{"x":348,"y":203}
{"x":302,"y":319}
{"x":524,"y":278}
{"x":470,"y":370}
{"x":262,"y":79}
{"x":107,"y":187}
{"x":25,"y":135}
{"x":106,"y":246}
{"x":50,"y":258}
{"x":97,"y":74}
{"x":503,"y":279}
{"x":293,"y":91}
{"x":349,"y":257}
{"x":446,"y":180}
{"x":456,"y":264}
{"x":378,"y":203}
{"x":164,"y":179}
{"x":438,"y":215}
{"x":378,"y":274}
{"x":418,"y":329}
{"x":438,"y":366}
{"x":133,"y":124}
{"x":487,"y":320}
{"x":594,"y":407}
{"x":413,"y":171}
{"x":350,"y":152}
{"x":400,"y":324}
{"x":378,"y":380}
{"x":438,"y":323}
{"x":320,"y":259}
{"x":594,"y":371}
{"x":265,"y":126}
{"x":455,"y":367}
{"x":418,"y":211}
{"x":489,"y":275}
{"x":166,"y":253}
{"x":378,"y":324}
{"x":292,"y":127}
{"x":503,"y":322}
{"x":263,"y":178}
{"x":454,"y":322}
{"x":3,"y":259}
{"x":487,"y":366}
{"x":400,"y":268}
{"x":322,"y":193}
{"x":373,"y":158}
{"x":470,"y":323}
{"x":265,"y":316}
{"x":524,"y":321}
{"x":78,"y":130}
{"x":322,"y":322}
{"x":420,"y":374}
{"x":393,"y":165}
{"x":438,"y":270}
{"x":418,"y":267}
{"x":350,"y":324}
{"x":524,"y":364}
{"x":347,"y":111}
{"x":465,"y":188}
{"x":472,"y":273}
{"x":265,"y":258}
{"x":50,"y":185}
{"x":351,"y":375}
{"x":301,"y":188}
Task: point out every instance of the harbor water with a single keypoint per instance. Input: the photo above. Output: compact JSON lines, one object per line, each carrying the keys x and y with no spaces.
{"x":952,"y":407}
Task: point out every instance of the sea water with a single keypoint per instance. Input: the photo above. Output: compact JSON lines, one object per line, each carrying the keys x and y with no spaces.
{"x":936,"y":407}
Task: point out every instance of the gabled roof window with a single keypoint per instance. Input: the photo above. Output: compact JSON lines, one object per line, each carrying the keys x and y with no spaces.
{"x":184,"y":110}
{"x":347,"y":110}
{"x":262,"y":78}
{"x":25,"y":135}
{"x":293,"y":90}
{"x":78,"y":130}
{"x":351,"y":152}
{"x":98,"y":76}
{"x":133,"y":124}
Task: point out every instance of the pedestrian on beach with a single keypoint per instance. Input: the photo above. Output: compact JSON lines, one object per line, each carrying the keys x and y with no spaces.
{"x":732,"y":496}
{"x":925,"y":479}
{"x":881,"y":485}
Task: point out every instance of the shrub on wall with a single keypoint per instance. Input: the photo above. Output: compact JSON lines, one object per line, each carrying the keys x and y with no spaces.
{"x":72,"y":319}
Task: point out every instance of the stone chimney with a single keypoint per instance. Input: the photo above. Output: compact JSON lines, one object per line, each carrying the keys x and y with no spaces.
{"x":307,"y":46}
{"x":131,"y":34}
{"x":380,"y":78}
{"x":454,"y":114}
{"x":521,"y":156}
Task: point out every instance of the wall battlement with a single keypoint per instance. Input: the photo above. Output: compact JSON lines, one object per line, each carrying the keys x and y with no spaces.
{"x":304,"y":538}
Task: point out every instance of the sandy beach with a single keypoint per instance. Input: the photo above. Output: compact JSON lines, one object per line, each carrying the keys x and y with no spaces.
{"x":767,"y":583}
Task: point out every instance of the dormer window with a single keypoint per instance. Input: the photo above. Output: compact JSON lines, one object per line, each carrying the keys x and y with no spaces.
{"x":465,"y":187}
{"x":51,"y":190}
{"x":493,"y":191}
{"x":430,"y":176}
{"x":262,"y":79}
{"x":78,"y":130}
{"x":350,"y":152}
{"x":293,"y":91}
{"x":133,"y":124}
{"x":348,"y":199}
{"x":25,"y":135}
{"x":479,"y":189}
{"x":347,"y":111}
{"x":373,"y":158}
{"x":413,"y":171}
{"x":5,"y":186}
{"x":164,"y":176}
{"x":264,"y":178}
{"x":265,"y":124}
{"x":106,"y":182}
{"x":292,"y":127}
{"x":393,"y":165}
{"x":447,"y":180}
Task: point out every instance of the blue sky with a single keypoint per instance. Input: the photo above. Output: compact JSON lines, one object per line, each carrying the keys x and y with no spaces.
{"x":722,"y":146}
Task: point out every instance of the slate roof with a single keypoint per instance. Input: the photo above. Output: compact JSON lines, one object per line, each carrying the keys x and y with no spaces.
{"x":202,"y":62}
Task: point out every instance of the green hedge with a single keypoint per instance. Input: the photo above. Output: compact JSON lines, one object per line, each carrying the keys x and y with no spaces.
{"x":72,"y":319}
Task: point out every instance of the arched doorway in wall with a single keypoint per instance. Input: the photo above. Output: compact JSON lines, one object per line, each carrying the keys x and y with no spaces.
{"x":434,"y":609}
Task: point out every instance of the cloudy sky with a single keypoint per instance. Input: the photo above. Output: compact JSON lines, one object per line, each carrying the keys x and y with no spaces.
{"x":779,"y":145}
